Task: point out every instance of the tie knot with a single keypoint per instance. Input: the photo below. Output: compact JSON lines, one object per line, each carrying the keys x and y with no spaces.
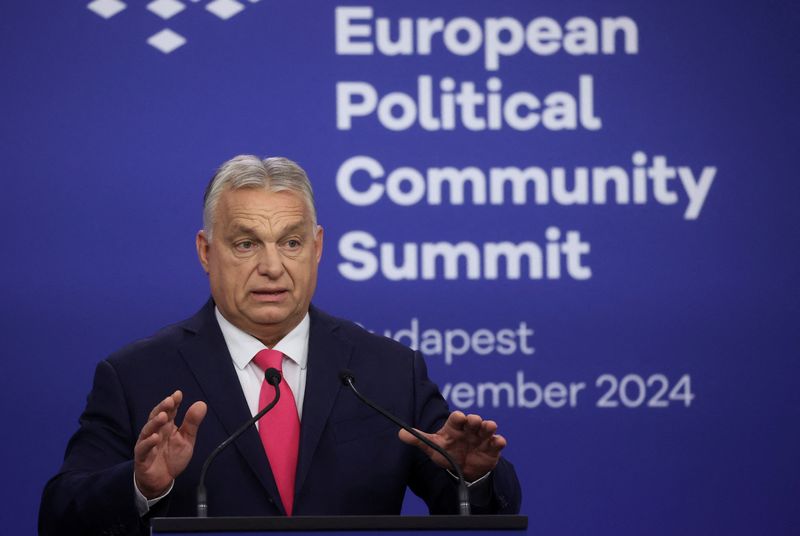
{"x":269,"y":359}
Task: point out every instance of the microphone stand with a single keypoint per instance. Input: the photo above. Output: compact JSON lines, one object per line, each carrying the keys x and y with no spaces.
{"x":463,"y":492}
{"x":272,"y":377}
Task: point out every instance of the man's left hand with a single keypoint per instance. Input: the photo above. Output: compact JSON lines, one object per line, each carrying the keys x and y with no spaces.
{"x":469,"y":439}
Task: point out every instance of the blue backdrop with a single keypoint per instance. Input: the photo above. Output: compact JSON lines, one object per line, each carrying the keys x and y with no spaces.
{"x":583,"y":212}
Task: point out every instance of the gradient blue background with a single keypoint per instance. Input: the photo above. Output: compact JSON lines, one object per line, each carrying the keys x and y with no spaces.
{"x":107,"y":145}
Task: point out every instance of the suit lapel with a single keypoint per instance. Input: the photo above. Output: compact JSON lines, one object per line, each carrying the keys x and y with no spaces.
{"x":207,"y":356}
{"x":327,"y":356}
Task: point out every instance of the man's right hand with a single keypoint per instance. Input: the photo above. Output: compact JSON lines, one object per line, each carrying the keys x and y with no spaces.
{"x":163,"y":450}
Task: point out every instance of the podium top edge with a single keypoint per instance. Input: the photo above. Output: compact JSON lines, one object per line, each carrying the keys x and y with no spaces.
{"x":164,"y":525}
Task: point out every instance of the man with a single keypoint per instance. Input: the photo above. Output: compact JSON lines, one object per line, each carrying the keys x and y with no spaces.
{"x":324,"y":452}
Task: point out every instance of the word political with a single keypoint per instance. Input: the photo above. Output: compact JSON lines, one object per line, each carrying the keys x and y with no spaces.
{"x":474,"y":110}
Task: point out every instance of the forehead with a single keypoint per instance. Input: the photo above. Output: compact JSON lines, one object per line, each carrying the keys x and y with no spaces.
{"x":261,"y":204}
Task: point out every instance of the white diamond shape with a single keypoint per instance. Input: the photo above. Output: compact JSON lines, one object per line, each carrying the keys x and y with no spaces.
{"x":166,"y":40}
{"x":166,"y":8}
{"x":224,"y":9}
{"x":106,"y":8}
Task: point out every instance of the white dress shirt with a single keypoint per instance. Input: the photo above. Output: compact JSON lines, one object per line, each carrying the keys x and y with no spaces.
{"x":243,"y":347}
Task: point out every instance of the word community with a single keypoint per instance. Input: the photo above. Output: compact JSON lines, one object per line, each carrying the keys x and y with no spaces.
{"x":362,"y":181}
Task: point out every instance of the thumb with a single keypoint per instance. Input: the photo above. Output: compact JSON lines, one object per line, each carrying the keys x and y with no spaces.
{"x":408,"y":438}
{"x":194,"y":416}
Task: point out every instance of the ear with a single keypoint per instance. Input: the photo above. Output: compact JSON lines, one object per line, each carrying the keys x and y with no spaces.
{"x":318,"y":242}
{"x":202,"y":244}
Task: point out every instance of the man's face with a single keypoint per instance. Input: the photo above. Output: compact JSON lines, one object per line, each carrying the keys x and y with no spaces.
{"x":262,"y":260}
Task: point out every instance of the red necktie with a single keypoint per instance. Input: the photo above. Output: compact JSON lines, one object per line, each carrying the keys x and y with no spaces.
{"x":279,"y":428}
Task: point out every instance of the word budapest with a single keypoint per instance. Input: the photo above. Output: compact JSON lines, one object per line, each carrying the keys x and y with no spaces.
{"x":456,"y":342}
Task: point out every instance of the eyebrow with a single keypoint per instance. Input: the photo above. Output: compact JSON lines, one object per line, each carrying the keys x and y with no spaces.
{"x":241,"y":229}
{"x":295,"y":227}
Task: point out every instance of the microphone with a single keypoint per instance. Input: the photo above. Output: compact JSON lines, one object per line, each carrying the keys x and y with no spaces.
{"x":348,"y":379}
{"x":273,"y":377}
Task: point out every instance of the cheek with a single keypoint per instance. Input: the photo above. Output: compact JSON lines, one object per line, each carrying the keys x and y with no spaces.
{"x":217,"y":283}
{"x":236,"y":278}
{"x":228,"y":278}
{"x":306,"y":278}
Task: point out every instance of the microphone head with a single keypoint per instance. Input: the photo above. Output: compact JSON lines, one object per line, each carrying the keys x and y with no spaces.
{"x":272,"y":376}
{"x":347,"y":376}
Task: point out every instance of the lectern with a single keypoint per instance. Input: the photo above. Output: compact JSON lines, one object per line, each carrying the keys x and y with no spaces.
{"x":331,"y":525}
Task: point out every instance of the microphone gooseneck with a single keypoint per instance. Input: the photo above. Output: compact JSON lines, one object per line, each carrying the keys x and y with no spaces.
{"x":348,"y":379}
{"x":272,"y":377}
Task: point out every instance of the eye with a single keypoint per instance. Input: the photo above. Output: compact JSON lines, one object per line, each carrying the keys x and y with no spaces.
{"x":245,"y":245}
{"x":292,"y":243}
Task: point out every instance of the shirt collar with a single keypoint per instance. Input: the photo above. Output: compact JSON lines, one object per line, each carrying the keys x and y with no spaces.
{"x":243,"y":346}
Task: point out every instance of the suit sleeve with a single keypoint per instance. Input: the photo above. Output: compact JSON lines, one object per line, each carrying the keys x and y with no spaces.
{"x":93,"y":492}
{"x":435,"y":485}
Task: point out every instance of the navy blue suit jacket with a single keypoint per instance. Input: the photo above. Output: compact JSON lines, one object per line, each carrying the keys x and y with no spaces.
{"x":350,"y":460}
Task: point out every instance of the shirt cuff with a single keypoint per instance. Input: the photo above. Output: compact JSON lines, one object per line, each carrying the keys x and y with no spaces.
{"x":474,"y":482}
{"x":480,"y":490}
{"x":143,"y":504}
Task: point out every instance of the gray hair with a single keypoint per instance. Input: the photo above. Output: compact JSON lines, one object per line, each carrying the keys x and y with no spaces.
{"x":276,"y":174}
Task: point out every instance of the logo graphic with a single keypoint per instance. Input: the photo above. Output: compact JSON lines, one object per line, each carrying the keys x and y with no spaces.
{"x":168,"y":40}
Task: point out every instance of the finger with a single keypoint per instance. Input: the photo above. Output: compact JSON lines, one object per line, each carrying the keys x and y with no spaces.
{"x":410,"y":439}
{"x":490,"y":426}
{"x":143,"y":447}
{"x":159,"y":407}
{"x":473,"y":424}
{"x":497,"y":443}
{"x":488,"y":429}
{"x":191,"y":421}
{"x":457,"y":417}
{"x":456,"y":421}
{"x":176,"y":397}
{"x":488,"y":440}
{"x":154,"y":425}
{"x":407,"y":437}
{"x":165,"y":405}
{"x":500,"y":442}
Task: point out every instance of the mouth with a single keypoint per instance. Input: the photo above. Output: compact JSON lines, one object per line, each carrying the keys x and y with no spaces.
{"x":269,"y":295}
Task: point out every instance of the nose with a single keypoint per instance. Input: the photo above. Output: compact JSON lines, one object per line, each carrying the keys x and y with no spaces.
{"x":270,"y":263}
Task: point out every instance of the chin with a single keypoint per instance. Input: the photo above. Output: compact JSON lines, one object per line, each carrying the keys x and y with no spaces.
{"x":267,"y":320}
